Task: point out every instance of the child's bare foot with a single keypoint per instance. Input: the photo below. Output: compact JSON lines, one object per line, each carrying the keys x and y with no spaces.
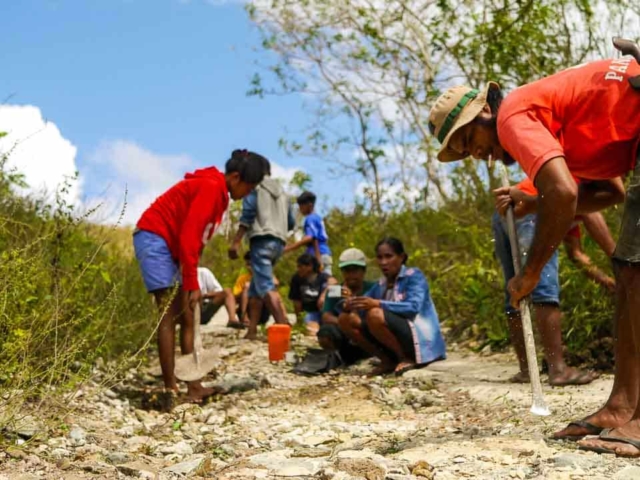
{"x":196,"y":393}
{"x":251,"y":336}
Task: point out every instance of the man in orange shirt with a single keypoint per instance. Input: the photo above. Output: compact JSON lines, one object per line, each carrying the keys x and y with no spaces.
{"x":583,"y":122}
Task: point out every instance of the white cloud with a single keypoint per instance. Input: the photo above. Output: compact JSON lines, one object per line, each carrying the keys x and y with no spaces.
{"x":283,"y":173}
{"x":37,"y":149}
{"x":123,"y":168}
{"x":119,"y":168}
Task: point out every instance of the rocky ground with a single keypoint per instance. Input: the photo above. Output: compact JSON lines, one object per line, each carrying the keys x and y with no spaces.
{"x":456,"y":419}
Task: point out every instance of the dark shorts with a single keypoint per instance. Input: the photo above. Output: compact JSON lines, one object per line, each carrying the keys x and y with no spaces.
{"x":628,"y":247}
{"x":399,"y":327}
{"x":348,"y":352}
{"x":209,"y":309}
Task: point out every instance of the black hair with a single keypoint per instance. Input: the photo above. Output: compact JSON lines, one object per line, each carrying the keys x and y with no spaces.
{"x":267,"y":166}
{"x":308,"y":259}
{"x":251,"y":166}
{"x":306,"y":197}
{"x":396,"y":245}
{"x":247,"y":256}
{"x":494,"y":100}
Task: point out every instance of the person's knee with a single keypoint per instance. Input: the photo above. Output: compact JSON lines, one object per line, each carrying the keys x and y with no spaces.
{"x":348,"y":321}
{"x":375,"y":318}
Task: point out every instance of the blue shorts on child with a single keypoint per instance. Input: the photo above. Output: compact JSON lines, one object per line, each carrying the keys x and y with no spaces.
{"x":159,"y":269}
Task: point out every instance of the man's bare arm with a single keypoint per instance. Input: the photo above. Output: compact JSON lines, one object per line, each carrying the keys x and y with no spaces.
{"x":300,"y":243}
{"x":598,"y":229}
{"x":557,"y":201}
{"x":594,"y":196}
{"x":237,"y":240}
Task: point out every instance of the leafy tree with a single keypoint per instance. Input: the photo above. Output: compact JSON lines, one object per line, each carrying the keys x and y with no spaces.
{"x":372,"y":68}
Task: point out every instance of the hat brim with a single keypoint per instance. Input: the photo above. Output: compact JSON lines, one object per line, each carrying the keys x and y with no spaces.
{"x":354,"y":263}
{"x":467,"y":115}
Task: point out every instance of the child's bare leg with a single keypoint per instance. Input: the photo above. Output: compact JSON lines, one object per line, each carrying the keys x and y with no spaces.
{"x":230,"y":305}
{"x":170,"y":310}
{"x":195,"y":391}
{"x":255,"y":308}
{"x":244,"y":305}
{"x":275,"y":305}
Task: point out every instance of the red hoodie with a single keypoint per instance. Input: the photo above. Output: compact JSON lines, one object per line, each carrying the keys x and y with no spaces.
{"x":186,"y":216}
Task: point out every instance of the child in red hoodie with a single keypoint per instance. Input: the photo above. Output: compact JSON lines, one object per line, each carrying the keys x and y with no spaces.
{"x":169,"y":239}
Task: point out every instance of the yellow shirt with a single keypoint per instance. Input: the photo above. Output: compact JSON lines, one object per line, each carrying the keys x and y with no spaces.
{"x":240,"y":283}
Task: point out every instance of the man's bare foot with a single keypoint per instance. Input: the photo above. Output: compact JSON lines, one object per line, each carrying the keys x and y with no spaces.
{"x":251,"y":336}
{"x":403,"y":367}
{"x":604,"y":418}
{"x":382,"y":369}
{"x":571,"y":376}
{"x":520,"y":377}
{"x":623,"y":441}
{"x":196,"y":393}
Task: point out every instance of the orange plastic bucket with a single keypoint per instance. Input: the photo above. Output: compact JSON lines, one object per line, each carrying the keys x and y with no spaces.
{"x":278,"y":337}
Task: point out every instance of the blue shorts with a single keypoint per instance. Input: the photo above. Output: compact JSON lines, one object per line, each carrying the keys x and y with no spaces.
{"x":265,"y":252}
{"x":313,"y":317}
{"x":159,"y":269}
{"x":548,"y":288}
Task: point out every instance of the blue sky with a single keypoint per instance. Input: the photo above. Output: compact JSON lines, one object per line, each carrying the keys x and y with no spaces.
{"x":160,"y":83}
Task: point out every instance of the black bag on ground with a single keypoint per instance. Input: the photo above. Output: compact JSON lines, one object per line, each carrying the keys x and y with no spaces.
{"x":317,"y":361}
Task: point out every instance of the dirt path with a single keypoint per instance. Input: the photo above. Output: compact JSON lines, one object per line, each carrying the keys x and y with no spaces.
{"x":456,"y":419}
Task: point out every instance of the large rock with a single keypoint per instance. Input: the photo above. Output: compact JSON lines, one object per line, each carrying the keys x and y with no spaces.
{"x":233,"y":384}
{"x":117,"y":458}
{"x":138,"y":469}
{"x":280,"y":465}
{"x":26,"y":427}
{"x":186,"y":468}
{"x":572,"y":460}
{"x":180,"y":448}
{"x":77,"y":436}
{"x":628,"y":473}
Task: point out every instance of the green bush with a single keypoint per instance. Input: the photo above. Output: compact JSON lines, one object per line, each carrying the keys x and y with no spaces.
{"x":67,"y":296}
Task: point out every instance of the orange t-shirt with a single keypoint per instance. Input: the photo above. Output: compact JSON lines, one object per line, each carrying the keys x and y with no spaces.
{"x":588,"y":114}
{"x":527,"y":186}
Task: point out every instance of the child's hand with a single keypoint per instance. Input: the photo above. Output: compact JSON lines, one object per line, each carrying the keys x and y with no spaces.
{"x":195,"y":297}
{"x":363,"y":303}
{"x":233,"y":252}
